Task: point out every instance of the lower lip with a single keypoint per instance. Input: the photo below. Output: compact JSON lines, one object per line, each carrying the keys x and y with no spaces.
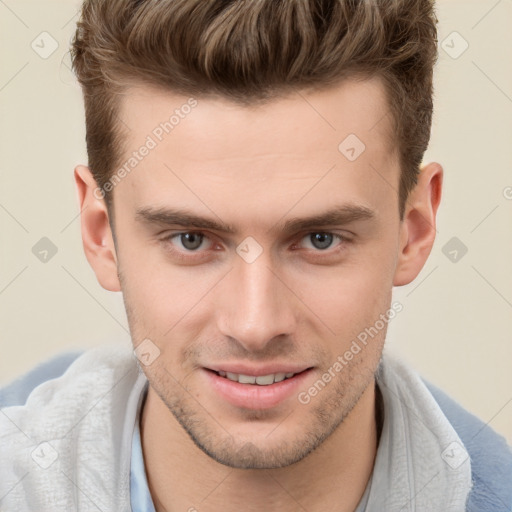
{"x":254,"y":396}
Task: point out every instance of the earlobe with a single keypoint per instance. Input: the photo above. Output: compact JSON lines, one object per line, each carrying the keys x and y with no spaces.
{"x":97,"y":237}
{"x":418,"y":228}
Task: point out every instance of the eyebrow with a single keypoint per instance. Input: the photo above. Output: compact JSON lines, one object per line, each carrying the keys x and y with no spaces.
{"x":337,"y":216}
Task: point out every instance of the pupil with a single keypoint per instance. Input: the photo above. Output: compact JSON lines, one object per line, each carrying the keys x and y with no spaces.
{"x":191,"y":240}
{"x":321,"y":240}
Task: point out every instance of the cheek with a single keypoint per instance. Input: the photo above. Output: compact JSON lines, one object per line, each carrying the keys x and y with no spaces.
{"x":161,"y":295}
{"x":350,"y":297}
{"x":352,"y":303}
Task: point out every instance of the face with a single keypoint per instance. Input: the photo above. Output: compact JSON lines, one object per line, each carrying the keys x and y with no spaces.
{"x":250,"y":240}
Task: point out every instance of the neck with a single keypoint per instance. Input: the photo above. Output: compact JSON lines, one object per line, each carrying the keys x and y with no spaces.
{"x":182,"y":477}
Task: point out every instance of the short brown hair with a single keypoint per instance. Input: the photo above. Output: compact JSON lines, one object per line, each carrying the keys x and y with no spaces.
{"x":255,"y":50}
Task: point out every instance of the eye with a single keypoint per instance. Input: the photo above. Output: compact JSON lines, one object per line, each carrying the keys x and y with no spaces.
{"x":190,"y":241}
{"x":322,"y":240}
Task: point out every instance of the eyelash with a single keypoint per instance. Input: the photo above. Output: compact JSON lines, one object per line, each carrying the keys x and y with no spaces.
{"x":189,"y":255}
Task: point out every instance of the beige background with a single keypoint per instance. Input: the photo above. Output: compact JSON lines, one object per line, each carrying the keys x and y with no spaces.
{"x":457,"y":318}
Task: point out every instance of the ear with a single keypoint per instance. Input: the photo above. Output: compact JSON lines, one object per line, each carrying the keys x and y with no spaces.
{"x":418,"y":227}
{"x":97,"y":236}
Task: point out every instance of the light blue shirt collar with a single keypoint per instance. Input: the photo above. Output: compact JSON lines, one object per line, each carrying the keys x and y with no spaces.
{"x":140,"y":497}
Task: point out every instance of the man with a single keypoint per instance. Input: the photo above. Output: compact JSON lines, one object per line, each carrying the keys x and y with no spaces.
{"x":255,"y":190}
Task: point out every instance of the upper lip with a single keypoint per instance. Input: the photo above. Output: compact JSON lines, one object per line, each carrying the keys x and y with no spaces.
{"x":246,"y":369}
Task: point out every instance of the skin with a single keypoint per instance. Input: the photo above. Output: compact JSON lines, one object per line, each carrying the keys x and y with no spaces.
{"x":255,"y":168}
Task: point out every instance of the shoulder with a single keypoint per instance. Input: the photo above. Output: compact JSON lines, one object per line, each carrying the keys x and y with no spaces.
{"x":66,"y":366}
{"x":17,"y":391}
{"x":66,"y":385}
{"x":490,"y":455}
{"x":69,"y":412}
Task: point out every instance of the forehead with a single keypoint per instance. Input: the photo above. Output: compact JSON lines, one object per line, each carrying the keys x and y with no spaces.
{"x":353,"y":106}
{"x":285,"y":145}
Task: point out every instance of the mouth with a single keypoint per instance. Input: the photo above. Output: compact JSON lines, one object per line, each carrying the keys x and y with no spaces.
{"x":259,"y":380}
{"x":246,"y":391}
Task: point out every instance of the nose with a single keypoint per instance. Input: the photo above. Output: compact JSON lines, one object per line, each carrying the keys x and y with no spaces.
{"x":255,"y":306}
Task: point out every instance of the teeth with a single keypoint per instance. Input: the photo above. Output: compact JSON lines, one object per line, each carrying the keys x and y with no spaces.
{"x":262,"y":380}
{"x":246,"y":379}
